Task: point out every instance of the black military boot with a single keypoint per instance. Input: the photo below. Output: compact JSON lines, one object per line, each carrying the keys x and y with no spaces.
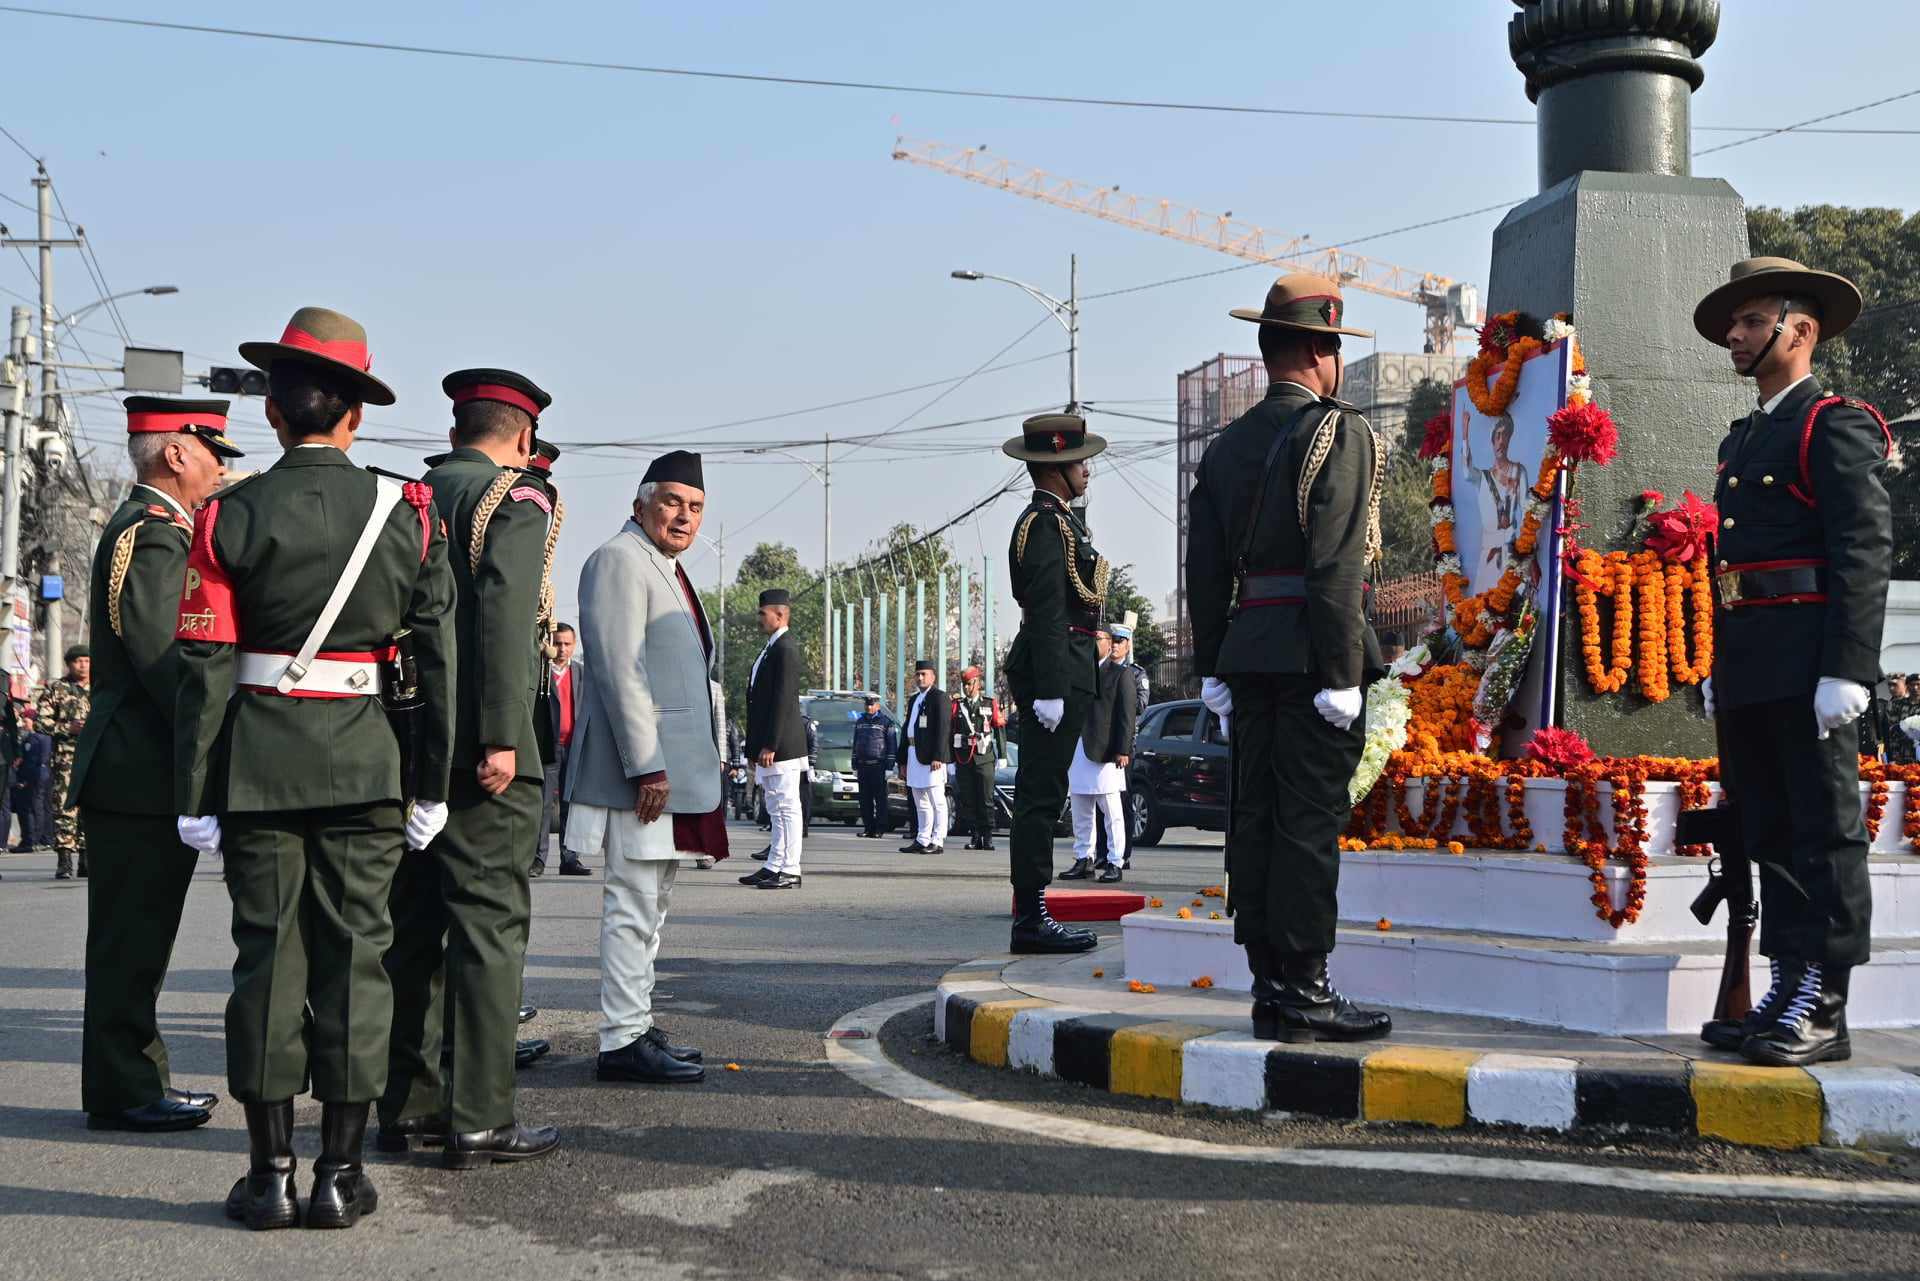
{"x":264,"y":1199}
{"x":342,"y":1192}
{"x":1035,"y":930}
{"x":1266,"y":993}
{"x":1082,"y":869}
{"x":1310,"y":1009}
{"x":1731,"y":1034}
{"x":1811,"y":1026}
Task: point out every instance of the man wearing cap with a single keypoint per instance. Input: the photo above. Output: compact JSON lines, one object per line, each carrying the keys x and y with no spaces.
{"x":1060,"y":583}
{"x":1098,"y":773}
{"x":122,"y":774}
{"x":63,"y":712}
{"x":1283,"y":529}
{"x":1122,"y":658}
{"x":470,"y":887}
{"x":645,"y":779}
{"x":875,"y":748}
{"x":977,"y":729}
{"x":923,"y":760}
{"x":777,"y":741}
{"x":1801,"y":561}
{"x":302,"y":583}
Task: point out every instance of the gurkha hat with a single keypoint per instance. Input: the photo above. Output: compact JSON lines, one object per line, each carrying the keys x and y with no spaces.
{"x":1837,"y":297}
{"x":328,"y":340}
{"x":1308,"y":303}
{"x":1054,"y":438}
{"x":205,"y":420}
{"x":502,"y":386}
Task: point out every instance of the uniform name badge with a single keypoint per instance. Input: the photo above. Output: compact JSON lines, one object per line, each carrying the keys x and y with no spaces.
{"x":923,"y":720}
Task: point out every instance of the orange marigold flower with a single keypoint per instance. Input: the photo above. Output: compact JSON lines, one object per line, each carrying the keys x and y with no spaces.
{"x":1099,"y":974}
{"x":1383,"y":925}
{"x":1154,"y":902}
{"x":1203,"y":981}
{"x":1135,"y":985}
{"x":1455,"y":847}
{"x":1185,"y":914}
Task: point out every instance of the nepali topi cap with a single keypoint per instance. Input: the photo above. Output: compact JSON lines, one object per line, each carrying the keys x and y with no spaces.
{"x":327,"y":340}
{"x":502,"y":386}
{"x":1054,"y":438}
{"x":924,"y":665}
{"x":1302,"y":301}
{"x":677,"y":467}
{"x":775,"y":596}
{"x":1750,"y":278}
{"x":205,"y":420}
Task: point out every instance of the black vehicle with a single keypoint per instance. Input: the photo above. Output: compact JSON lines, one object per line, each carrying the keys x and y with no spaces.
{"x":1180,"y":771}
{"x":900,"y":805}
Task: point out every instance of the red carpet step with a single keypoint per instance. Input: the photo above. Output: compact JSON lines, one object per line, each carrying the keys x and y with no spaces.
{"x":1093,"y":905}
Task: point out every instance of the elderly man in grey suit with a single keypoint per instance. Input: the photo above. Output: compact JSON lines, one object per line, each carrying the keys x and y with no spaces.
{"x":643,"y":781}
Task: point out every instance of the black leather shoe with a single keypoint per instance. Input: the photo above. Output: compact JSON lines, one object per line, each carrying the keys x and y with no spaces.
{"x":1109,"y":874}
{"x":1811,"y":1026}
{"x":780,"y":881}
{"x":987,"y":844}
{"x":529,"y":1051}
{"x":263,"y":1198}
{"x":157,"y":1117}
{"x":527,"y":1013}
{"x":764,"y":853}
{"x":915,"y":848}
{"x":1035,"y":930}
{"x":574,"y":867}
{"x":1308,"y":1008}
{"x":430,"y":1130}
{"x":757,"y":879}
{"x":192,"y":1098}
{"x":644,"y":1061}
{"x":515,"y":1142}
{"x":63,"y":876}
{"x":657,"y":1037}
{"x":536,"y":869}
{"x":342,"y":1192}
{"x":1082,"y":869}
{"x":1731,"y":1034}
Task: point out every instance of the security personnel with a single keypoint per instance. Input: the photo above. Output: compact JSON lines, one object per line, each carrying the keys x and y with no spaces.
{"x":1283,"y":526}
{"x":302,"y":584}
{"x":1801,"y":562}
{"x":63,"y":711}
{"x":471,"y":889}
{"x":1060,"y":583}
{"x":122,"y":774}
{"x":978,"y":734}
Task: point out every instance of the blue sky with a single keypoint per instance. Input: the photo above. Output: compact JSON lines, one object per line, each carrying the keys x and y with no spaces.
{"x":665,"y":253}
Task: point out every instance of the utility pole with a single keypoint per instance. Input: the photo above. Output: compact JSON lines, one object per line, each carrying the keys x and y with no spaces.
{"x":826,"y":560}
{"x":1073,"y":333}
{"x":16,"y":412}
{"x":720,"y":642}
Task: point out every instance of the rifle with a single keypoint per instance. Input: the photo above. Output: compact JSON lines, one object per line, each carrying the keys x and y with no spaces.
{"x":1729,"y":881}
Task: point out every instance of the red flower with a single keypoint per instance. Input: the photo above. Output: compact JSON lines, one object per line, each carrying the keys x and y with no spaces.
{"x":1584,"y":434}
{"x":1681,"y":534}
{"x":1652,"y":497}
{"x":1439,"y":436}
{"x":1559,"y":749}
{"x":417,"y":493}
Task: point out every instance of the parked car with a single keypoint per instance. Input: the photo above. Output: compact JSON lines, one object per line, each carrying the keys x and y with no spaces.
{"x":1180,"y":771}
{"x":900,"y":805}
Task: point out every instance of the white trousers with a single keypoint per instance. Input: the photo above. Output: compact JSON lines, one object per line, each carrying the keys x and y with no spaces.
{"x":1105,"y":805}
{"x":930,"y":815}
{"x":633,"y":908}
{"x":782,"y":793}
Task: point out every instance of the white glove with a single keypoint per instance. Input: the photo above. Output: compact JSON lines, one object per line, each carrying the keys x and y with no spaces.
{"x":1838,"y":702}
{"x":1050,"y":712}
{"x":424,"y":822}
{"x":1706,"y":696}
{"x":203,"y":834}
{"x":1215,"y":694}
{"x":1338,"y":707}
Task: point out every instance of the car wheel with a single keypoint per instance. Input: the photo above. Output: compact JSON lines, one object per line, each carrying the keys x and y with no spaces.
{"x":1144,"y":827}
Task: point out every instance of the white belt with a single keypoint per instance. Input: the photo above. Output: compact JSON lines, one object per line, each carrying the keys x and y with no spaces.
{"x":324,"y":675}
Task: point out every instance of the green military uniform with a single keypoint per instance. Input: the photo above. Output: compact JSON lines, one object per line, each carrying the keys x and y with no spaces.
{"x":977,"y":748}
{"x":465,"y":903}
{"x":63,"y":712}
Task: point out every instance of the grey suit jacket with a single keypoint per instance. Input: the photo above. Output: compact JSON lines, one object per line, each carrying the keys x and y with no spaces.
{"x":649,"y":702}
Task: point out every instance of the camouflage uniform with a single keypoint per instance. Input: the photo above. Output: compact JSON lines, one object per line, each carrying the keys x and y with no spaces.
{"x":1900,"y":748}
{"x":63,"y":711}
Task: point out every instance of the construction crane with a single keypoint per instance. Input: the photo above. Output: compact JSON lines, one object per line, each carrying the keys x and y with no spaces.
{"x":1449,"y":305}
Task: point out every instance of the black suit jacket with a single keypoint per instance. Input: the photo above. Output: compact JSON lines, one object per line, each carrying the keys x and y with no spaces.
{"x":773,"y":705}
{"x":1111,"y":718}
{"x":549,"y":724}
{"x":931,"y":732}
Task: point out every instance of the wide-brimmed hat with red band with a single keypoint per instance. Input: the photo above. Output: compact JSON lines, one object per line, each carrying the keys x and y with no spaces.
{"x":328,"y":339}
{"x":1309,"y":303}
{"x":501,"y":386}
{"x":1054,"y":438}
{"x":204,"y":420}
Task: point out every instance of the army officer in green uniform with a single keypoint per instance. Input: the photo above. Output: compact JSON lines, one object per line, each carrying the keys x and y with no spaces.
{"x":123,"y":765}
{"x":1060,"y":583}
{"x":471,"y":886}
{"x":300,"y":584}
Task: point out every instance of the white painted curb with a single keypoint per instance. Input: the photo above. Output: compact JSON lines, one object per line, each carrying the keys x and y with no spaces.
{"x":1872,"y":1107}
{"x":1225,"y":1070}
{"x":1523,"y":1089}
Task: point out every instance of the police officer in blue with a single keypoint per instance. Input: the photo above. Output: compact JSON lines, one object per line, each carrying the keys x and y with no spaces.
{"x":875,"y":743}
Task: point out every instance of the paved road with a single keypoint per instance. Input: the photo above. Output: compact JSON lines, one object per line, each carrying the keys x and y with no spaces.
{"x":787,"y":1168}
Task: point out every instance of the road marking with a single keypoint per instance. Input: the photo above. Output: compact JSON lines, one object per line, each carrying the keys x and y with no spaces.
{"x":711,"y":1205}
{"x":865,"y":1062}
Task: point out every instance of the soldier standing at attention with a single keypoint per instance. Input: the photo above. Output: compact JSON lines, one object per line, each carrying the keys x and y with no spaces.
{"x":63,"y":712}
{"x":123,"y":766}
{"x":1061,"y":585}
{"x":470,"y":888}
{"x":307,"y":587}
{"x":978,"y":728}
{"x":1801,"y":562}
{"x":1283,"y":526}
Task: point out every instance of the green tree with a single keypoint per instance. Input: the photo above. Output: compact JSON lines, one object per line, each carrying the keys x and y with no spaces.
{"x":1425,"y":398}
{"x":767,"y":565}
{"x":1406,"y":533}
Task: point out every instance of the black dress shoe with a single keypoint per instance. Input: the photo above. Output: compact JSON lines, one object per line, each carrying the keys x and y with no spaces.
{"x":757,"y":879}
{"x":527,"y":1013}
{"x":536,"y":869}
{"x":574,"y":867}
{"x":430,"y":1130}
{"x":342,"y":1192}
{"x":1305,"y":1006}
{"x":157,"y":1117}
{"x":915,"y":848}
{"x":63,"y":876}
{"x":780,"y":881}
{"x":657,"y":1037}
{"x":1036,"y":932}
{"x":1082,"y":869}
{"x":263,"y":1197}
{"x":529,"y":1051}
{"x":763,"y":854}
{"x":1109,"y":874}
{"x":515,"y":1142}
{"x":1811,"y":1026}
{"x":645,"y":1061}
{"x":192,"y":1098}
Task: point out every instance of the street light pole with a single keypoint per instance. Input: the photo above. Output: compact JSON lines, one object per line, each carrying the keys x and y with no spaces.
{"x":826,"y":561}
{"x":1067,"y":313}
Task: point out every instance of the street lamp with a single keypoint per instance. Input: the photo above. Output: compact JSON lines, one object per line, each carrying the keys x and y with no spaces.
{"x":155,"y":291}
{"x":1067,"y":313}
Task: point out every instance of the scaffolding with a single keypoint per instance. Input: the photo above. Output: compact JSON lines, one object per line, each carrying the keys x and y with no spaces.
{"x":1211,"y":395}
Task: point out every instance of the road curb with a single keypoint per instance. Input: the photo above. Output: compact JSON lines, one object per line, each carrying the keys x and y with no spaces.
{"x":997,"y":1025}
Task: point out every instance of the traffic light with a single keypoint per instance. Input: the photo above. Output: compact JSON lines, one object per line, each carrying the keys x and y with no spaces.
{"x":223,"y":381}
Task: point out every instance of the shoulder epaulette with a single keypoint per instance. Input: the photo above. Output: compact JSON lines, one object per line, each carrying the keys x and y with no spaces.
{"x":1804,"y":490}
{"x":394,"y":475}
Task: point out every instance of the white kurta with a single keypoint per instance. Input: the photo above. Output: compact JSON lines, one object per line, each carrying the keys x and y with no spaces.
{"x":1090,"y":778}
{"x":920,"y":774}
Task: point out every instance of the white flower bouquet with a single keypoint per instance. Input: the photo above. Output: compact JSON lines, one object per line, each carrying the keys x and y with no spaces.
{"x":1389,"y":712}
